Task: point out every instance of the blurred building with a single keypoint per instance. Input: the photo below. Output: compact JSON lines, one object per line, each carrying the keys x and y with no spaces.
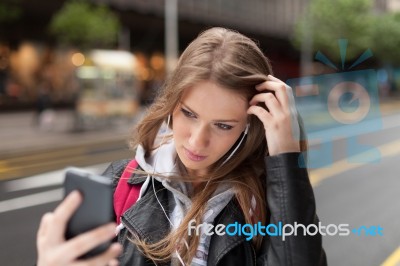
{"x":392,"y":5}
{"x":30,"y":54}
{"x":265,"y":17}
{"x":29,"y":51}
{"x":271,"y":22}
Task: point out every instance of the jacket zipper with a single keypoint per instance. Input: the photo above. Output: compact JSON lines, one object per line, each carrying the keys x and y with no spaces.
{"x":254,"y":253}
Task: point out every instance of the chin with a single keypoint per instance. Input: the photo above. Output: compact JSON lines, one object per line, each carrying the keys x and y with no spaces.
{"x":193,"y":166}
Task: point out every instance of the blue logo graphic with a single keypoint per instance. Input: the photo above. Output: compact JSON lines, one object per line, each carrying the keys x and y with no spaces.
{"x":368,"y":231}
{"x":339,"y":105}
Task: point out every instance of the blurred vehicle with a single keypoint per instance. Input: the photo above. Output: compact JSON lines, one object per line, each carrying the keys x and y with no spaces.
{"x":107,"y":88}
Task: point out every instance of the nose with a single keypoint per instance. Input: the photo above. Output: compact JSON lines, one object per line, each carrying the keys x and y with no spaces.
{"x":199,"y":138}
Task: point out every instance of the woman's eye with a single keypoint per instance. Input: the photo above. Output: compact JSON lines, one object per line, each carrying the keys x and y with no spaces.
{"x":187,"y":113}
{"x":224,"y":126}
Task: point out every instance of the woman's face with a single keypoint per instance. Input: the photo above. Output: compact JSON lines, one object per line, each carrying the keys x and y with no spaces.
{"x":206,"y":123}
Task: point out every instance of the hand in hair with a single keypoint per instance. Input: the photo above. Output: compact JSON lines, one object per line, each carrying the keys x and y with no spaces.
{"x":274,"y":106}
{"x":53,"y":249}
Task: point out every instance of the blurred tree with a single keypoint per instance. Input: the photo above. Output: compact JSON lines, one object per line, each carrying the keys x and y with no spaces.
{"x":386,"y":38}
{"x":9,"y":13}
{"x":85,"y":25}
{"x":326,"y":21}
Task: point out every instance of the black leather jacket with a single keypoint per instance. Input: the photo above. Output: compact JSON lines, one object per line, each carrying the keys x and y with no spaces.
{"x":290,"y":199}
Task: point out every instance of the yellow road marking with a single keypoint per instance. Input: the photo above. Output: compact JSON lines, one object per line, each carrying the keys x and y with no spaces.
{"x":17,"y":165}
{"x":317,"y":175}
{"x":45,"y":155}
{"x":13,"y":171}
{"x":4,"y":167}
{"x":393,"y":260}
{"x":61,"y":152}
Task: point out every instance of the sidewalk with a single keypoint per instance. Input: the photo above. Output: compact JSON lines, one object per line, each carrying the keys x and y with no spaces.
{"x":19,"y":134}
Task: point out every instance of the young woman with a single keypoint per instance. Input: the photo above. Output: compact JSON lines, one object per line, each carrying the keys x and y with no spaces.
{"x":220,"y":147}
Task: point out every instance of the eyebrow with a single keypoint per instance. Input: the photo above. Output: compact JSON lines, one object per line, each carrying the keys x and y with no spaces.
{"x":216,"y":120}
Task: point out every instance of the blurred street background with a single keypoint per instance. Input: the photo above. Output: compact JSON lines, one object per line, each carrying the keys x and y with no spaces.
{"x":77,"y":75}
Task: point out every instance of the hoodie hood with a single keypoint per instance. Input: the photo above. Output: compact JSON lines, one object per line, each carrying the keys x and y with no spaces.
{"x":163,"y":161}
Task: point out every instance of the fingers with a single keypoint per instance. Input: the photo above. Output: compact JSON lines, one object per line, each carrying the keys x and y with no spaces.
{"x":63,"y":213}
{"x":274,"y":78}
{"x":285,"y":96}
{"x":83,"y":243}
{"x":106,"y":258}
{"x":52,"y":226}
{"x":65,"y":253}
{"x":274,"y":105}
{"x":68,"y":206}
{"x":44,"y":223}
{"x":261,"y":113}
{"x":113,"y":262}
{"x":54,"y":250}
{"x":42,"y":234}
{"x":269,"y":100}
{"x":278,"y":87}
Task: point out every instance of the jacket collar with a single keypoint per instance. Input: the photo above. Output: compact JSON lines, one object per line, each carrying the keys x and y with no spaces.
{"x":137,"y":178}
{"x":146,"y":217}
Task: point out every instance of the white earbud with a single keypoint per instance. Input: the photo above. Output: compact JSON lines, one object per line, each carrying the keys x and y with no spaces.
{"x":247,"y":128}
{"x":168,"y":119}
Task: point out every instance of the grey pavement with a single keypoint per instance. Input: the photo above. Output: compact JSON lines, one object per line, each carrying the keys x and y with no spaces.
{"x":19,"y":133}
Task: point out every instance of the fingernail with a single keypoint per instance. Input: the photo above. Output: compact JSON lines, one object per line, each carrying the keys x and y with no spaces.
{"x":113,"y":262}
{"x":74,"y":193}
{"x":117,"y":247}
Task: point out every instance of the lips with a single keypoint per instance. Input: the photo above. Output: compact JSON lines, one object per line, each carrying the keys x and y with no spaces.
{"x":193,"y":156}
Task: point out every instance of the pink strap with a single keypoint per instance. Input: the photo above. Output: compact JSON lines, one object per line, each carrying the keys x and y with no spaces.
{"x":125,"y":194}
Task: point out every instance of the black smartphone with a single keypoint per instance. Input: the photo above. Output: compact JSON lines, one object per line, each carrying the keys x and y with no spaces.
{"x":97,"y":205}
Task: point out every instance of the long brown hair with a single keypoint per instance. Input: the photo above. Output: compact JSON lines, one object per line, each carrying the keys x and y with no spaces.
{"x":233,"y":61}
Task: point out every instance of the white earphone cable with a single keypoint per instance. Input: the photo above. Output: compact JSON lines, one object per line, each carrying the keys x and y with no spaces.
{"x":155,"y":193}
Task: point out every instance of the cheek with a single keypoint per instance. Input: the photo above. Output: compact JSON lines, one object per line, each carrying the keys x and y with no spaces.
{"x":179,"y":128}
{"x":227,"y":143}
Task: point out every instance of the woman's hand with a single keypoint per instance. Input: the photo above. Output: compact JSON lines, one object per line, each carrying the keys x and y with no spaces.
{"x":53,"y":249}
{"x":278,"y":114}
